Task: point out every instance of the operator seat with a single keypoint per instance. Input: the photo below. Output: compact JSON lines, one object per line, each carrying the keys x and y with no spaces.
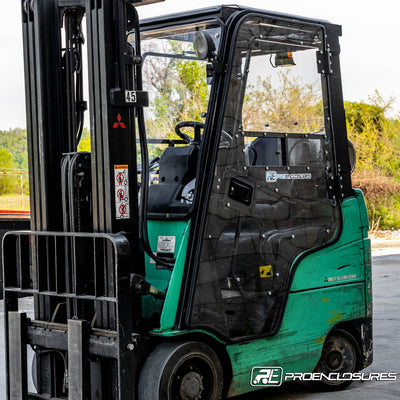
{"x":177,"y":167}
{"x":264,"y":151}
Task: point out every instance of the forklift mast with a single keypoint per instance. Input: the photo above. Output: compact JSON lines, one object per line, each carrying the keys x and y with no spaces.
{"x":53,"y":37}
{"x":84,"y":208}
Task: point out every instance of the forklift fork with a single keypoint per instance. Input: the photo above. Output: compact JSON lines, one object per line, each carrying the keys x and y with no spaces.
{"x":102,"y":344}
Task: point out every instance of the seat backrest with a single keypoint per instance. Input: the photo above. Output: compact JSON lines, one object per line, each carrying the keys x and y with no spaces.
{"x":177,"y":167}
{"x":178,"y":164}
{"x":301,"y":153}
{"x":264,"y":151}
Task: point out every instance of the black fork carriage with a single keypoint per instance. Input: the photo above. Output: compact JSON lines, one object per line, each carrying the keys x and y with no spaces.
{"x":82,"y":330}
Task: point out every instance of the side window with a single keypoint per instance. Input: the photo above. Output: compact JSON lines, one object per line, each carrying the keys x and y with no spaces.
{"x":271,"y":199}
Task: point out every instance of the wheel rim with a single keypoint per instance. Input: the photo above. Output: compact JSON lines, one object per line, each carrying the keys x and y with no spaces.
{"x":191,"y":387}
{"x":334,"y":360}
{"x":194,"y":379}
{"x":338,"y":356}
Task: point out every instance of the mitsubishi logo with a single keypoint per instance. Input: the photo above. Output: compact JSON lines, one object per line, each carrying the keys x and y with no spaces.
{"x":119,"y":123}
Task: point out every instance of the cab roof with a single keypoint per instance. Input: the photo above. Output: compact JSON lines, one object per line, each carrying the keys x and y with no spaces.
{"x":222,"y":12}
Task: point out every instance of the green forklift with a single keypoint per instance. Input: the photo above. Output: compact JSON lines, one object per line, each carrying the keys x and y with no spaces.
{"x":210,"y":243}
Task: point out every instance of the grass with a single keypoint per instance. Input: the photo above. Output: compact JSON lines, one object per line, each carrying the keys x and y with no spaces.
{"x":14,"y":202}
{"x":384,"y":213}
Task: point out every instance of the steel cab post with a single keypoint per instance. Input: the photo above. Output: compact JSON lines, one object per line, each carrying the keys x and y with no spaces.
{"x":211,"y":243}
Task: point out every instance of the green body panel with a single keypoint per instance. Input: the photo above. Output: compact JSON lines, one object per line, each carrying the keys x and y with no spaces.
{"x":331,"y":267}
{"x":309,"y":316}
{"x":160,"y":278}
{"x":368,"y":277}
{"x":363,"y":211}
{"x":343,"y":262}
{"x":170,"y":307}
{"x":367,"y":251}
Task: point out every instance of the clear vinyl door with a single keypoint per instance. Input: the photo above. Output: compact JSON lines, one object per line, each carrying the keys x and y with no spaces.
{"x":271,"y":197}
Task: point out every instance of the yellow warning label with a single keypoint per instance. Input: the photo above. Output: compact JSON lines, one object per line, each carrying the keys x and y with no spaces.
{"x":120,"y":167}
{"x":266,"y":271}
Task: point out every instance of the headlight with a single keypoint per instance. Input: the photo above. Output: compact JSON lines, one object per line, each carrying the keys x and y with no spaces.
{"x":203,"y":45}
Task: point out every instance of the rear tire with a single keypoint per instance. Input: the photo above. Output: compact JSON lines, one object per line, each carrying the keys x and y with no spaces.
{"x":181,"y":371}
{"x":340,"y":355}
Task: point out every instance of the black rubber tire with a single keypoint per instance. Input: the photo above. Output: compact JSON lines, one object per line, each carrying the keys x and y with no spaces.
{"x":340,"y":355}
{"x":174,"y":367}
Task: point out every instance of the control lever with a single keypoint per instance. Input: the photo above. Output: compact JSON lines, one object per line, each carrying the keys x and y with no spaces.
{"x":142,"y":288}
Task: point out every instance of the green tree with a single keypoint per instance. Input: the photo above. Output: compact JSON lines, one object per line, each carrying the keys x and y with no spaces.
{"x":376,"y":137}
{"x":7,"y":181}
{"x":178,"y":88}
{"x":15,"y":142}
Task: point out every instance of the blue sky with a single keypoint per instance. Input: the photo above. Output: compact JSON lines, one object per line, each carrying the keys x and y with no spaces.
{"x":370,"y":57}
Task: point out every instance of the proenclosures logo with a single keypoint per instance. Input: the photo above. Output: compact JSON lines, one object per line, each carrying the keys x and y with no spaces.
{"x":274,"y":376}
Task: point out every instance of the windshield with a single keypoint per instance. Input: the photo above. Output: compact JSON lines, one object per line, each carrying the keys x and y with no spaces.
{"x":178,"y":84}
{"x":177,"y":81}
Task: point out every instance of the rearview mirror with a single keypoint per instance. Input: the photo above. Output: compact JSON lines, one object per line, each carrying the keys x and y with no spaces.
{"x":352,"y":156}
{"x":284,"y":59}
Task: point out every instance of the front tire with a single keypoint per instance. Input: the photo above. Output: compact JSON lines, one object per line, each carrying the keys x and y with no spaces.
{"x":181,"y":371}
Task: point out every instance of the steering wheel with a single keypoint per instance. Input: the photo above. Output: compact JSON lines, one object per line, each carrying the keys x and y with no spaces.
{"x":197,"y":126}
